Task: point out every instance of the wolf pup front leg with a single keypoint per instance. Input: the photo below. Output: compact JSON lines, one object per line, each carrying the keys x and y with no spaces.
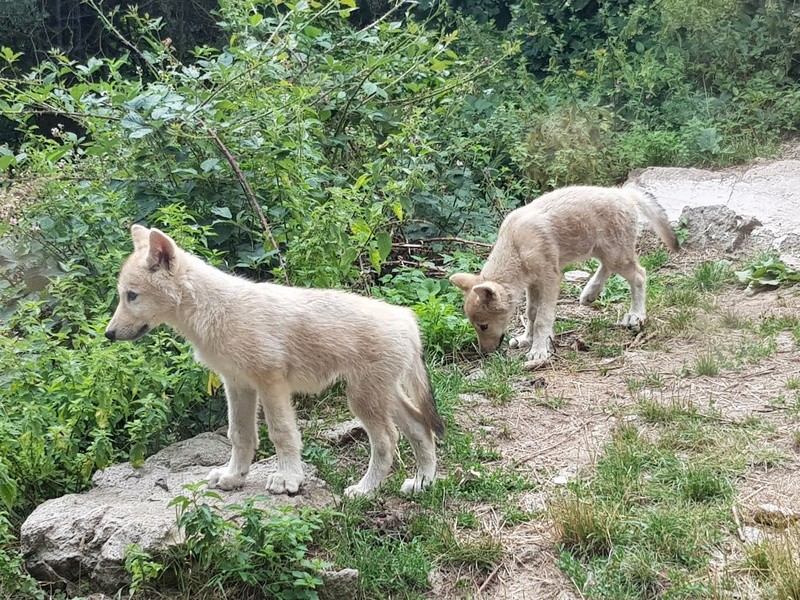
{"x":243,"y":434}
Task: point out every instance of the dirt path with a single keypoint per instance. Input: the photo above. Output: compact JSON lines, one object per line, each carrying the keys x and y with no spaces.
{"x":558,"y":443}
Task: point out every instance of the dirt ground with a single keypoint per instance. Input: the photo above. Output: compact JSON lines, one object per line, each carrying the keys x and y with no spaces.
{"x":557,"y":444}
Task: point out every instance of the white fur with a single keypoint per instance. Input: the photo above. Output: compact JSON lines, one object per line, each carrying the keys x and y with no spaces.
{"x":269,"y":342}
{"x":537,"y":241}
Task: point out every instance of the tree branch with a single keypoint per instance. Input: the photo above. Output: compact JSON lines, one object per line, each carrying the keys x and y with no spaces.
{"x":248,"y":191}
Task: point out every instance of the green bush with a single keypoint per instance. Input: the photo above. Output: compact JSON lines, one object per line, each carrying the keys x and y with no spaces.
{"x":252,"y":549}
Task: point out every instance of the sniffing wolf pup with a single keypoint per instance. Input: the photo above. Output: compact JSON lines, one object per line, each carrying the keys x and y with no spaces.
{"x":538,"y":240}
{"x":269,"y":341}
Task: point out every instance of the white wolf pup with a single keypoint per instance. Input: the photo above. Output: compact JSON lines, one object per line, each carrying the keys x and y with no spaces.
{"x":269,"y":341}
{"x":538,"y":240}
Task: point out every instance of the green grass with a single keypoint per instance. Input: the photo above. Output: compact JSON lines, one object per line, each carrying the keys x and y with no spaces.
{"x":708,"y":363}
{"x":645,"y":523}
{"x":497,"y":378}
{"x":710,"y":276}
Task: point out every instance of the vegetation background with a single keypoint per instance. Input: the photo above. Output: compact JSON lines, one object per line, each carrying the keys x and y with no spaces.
{"x":319,"y":144}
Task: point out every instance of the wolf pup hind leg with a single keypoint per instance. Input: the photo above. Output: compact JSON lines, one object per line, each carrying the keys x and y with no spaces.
{"x":537,"y":241}
{"x":269,"y":342}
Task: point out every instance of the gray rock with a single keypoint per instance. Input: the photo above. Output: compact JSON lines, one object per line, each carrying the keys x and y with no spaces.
{"x":576,"y":276}
{"x":83,"y":537}
{"x":716,"y":226}
{"x":339,"y":585}
{"x":345,"y":432}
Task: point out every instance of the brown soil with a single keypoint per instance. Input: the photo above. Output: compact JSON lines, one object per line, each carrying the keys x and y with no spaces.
{"x":559,"y":443}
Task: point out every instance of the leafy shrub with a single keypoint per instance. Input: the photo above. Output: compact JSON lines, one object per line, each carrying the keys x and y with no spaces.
{"x":437,"y":303}
{"x":257,"y":549}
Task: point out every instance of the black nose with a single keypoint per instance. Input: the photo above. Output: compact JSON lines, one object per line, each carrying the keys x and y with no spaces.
{"x":111,"y":334}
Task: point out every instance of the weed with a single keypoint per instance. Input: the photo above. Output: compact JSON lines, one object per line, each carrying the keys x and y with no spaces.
{"x":751,"y":351}
{"x":707,"y":363}
{"x":496,"y":381}
{"x":647,"y":380}
{"x":582,"y":524}
{"x":767,"y":271}
{"x":710,"y":276}
{"x":776,"y":560}
{"x":793,"y":383}
{"x":543,"y":398}
{"x":703,"y":484}
{"x":772,"y":324}
{"x":768,"y":458}
{"x":654,"y":260}
{"x":730,"y":319}
{"x":796,"y":438}
{"x":682,"y":320}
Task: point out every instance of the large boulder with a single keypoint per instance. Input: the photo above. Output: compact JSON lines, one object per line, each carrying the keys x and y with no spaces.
{"x":766,"y":189}
{"x":82,"y":537}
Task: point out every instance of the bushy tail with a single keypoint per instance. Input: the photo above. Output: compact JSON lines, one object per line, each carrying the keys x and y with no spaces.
{"x":654,"y":213}
{"x":418,"y":384}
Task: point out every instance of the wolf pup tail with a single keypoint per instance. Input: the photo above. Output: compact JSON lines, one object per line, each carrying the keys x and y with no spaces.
{"x":419,"y":386}
{"x":654,"y":213}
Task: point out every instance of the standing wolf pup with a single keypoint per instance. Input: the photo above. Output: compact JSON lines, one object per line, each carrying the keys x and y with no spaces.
{"x":538,"y":240}
{"x":269,"y":341}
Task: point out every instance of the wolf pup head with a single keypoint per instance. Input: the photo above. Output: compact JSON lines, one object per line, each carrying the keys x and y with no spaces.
{"x":488,"y":307}
{"x":148,"y":295}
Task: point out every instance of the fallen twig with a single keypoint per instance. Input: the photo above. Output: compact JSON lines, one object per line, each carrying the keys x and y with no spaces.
{"x":738,"y":521}
{"x":489,"y":578}
{"x":457,"y":240}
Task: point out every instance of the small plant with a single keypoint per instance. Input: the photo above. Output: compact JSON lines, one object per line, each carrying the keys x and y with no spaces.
{"x":776,"y":560}
{"x":259,"y":550}
{"x":582,"y":525}
{"x":796,"y":438}
{"x":497,"y":381}
{"x":142,"y":567}
{"x":646,"y":381}
{"x":548,"y":401}
{"x":707,"y":364}
{"x":767,"y":271}
{"x":711,"y":275}
{"x":730,"y":319}
{"x":437,"y":303}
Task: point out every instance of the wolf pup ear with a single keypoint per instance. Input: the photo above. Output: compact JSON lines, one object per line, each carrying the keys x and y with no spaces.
{"x":464,"y":281}
{"x":493,"y":296}
{"x":163,"y":250}
{"x":141,"y":237}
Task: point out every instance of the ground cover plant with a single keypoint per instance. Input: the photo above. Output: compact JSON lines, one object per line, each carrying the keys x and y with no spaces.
{"x":331,"y":145}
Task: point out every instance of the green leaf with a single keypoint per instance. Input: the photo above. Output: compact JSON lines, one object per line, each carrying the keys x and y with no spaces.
{"x":375,"y":259}
{"x":140,"y":133}
{"x":209,"y":164}
{"x":384,"y":244}
{"x":360,"y":228}
{"x":222,"y":211}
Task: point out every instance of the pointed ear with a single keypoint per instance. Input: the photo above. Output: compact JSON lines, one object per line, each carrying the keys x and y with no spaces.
{"x":141,"y":237}
{"x":163,"y":250}
{"x":464,"y":281}
{"x":486,"y":293}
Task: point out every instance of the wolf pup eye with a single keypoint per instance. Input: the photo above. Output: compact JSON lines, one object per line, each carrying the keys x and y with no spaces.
{"x":132,"y":296}
{"x":483,"y":327}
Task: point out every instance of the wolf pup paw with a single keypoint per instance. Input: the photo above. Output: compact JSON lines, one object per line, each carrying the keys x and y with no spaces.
{"x":632,"y":321}
{"x":414,"y":485}
{"x":519,"y":342}
{"x":359,"y":491}
{"x":221,"y":479}
{"x":537,"y":357}
{"x":284,"y":483}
